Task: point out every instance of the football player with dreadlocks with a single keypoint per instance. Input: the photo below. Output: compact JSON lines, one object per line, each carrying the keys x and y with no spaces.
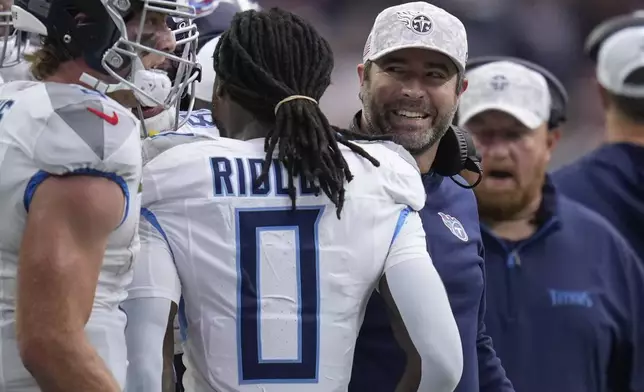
{"x":70,"y":170}
{"x":275,"y":240}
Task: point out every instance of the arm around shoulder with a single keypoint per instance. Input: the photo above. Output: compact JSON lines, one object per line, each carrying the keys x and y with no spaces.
{"x":415,"y":293}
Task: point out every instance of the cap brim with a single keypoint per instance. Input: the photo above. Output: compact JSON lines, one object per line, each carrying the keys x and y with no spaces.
{"x":383,"y":53}
{"x":524,"y":116}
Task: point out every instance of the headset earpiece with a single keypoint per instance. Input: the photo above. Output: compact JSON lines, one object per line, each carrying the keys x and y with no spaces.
{"x":456,"y":152}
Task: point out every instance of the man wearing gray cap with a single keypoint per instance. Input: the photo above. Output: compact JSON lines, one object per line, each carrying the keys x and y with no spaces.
{"x":411,"y":80}
{"x":565,"y":291}
{"x":610,"y":180}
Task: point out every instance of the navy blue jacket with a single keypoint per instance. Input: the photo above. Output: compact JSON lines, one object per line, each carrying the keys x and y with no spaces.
{"x":565,"y":305}
{"x":450,"y":219}
{"x":610,"y":181}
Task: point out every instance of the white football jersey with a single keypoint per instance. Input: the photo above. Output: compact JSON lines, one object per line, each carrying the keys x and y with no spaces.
{"x":199,"y":126}
{"x":272,"y":299}
{"x":57,"y":129}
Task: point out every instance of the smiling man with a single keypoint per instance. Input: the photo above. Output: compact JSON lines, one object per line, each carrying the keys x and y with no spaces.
{"x":411,"y":80}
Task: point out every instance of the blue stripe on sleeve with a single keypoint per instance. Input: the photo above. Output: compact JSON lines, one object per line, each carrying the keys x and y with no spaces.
{"x":42,"y":175}
{"x":183,"y":320}
{"x":401,"y":221}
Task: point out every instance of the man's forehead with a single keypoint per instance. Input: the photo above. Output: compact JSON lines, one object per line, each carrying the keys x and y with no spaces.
{"x":497,"y":119}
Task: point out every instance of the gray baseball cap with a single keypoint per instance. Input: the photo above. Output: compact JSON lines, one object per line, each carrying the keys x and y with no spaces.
{"x":508,"y":87}
{"x":417,"y":25}
{"x":620,"y":55}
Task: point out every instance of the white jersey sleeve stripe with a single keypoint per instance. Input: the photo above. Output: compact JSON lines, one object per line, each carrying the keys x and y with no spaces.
{"x":42,"y":175}
{"x":155,"y":274}
{"x":401,"y":222}
{"x":152,"y":219}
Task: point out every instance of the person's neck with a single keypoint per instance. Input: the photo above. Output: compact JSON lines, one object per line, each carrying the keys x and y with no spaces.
{"x":424,"y":160}
{"x":250,"y":130}
{"x":68,"y":72}
{"x":518,"y":227}
{"x":621,"y":130}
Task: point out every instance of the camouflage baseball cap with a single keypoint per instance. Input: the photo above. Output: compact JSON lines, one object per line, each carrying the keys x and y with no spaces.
{"x":417,"y":25}
{"x":508,"y":87}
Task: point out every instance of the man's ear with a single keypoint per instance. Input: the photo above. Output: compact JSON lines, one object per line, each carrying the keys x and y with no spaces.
{"x":361,"y":74}
{"x":464,"y":86}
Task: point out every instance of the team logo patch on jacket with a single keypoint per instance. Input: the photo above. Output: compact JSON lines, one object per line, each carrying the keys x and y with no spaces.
{"x":454,"y":226}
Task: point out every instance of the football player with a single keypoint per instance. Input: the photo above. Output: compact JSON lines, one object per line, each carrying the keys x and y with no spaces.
{"x":276,"y":240}
{"x":213,"y":18}
{"x":70,"y":167}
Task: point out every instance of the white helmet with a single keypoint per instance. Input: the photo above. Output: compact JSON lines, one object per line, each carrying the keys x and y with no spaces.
{"x":104,"y":43}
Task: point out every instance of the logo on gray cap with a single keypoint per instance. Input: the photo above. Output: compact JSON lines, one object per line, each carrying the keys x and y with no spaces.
{"x":416,"y":22}
{"x":499,"y":82}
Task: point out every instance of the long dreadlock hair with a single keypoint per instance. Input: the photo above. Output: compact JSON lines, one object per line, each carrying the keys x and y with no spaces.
{"x":267,"y":56}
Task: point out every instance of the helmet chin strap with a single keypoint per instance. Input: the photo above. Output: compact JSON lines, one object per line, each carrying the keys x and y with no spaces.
{"x":101,"y":86}
{"x":152,"y":86}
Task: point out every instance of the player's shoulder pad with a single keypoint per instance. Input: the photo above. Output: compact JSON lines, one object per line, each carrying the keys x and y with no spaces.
{"x":198,"y":121}
{"x":399,"y":172}
{"x":155,"y":145}
{"x":391,"y":146}
{"x":98,"y":121}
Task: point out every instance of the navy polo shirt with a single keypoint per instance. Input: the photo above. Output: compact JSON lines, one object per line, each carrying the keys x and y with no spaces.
{"x":610,"y":181}
{"x":565,"y":305}
{"x":450,"y":220}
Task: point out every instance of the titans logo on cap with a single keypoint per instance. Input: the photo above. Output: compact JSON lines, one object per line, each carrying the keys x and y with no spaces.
{"x":416,"y":22}
{"x":499,"y":83}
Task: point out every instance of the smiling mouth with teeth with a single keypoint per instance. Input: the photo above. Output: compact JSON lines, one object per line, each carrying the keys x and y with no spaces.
{"x":410,"y":114}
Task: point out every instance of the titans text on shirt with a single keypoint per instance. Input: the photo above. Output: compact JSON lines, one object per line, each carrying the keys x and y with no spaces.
{"x":565,"y":305}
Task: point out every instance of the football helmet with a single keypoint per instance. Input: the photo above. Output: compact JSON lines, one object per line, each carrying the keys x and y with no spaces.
{"x":102,"y":39}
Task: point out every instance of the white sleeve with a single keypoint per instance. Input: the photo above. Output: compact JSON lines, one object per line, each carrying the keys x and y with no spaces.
{"x":422,"y":302}
{"x":86,"y":135}
{"x":154,"y":287}
{"x":155,"y":275}
{"x":147,"y":322}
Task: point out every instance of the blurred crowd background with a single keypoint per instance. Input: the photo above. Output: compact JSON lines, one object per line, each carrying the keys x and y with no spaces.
{"x":550,"y":33}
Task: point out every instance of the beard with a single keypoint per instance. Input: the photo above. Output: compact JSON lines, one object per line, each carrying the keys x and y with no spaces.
{"x":414,"y":140}
{"x":495,"y":205}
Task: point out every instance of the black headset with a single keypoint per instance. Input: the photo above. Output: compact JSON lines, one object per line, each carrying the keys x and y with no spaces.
{"x":608,"y":28}
{"x":455,"y":153}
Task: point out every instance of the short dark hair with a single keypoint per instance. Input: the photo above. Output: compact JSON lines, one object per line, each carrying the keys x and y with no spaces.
{"x":267,"y":56}
{"x":632,"y":108}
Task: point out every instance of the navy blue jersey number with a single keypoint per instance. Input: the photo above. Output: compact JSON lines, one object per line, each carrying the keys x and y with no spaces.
{"x":253,"y":369}
{"x":5,"y":105}
{"x":200,"y":119}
